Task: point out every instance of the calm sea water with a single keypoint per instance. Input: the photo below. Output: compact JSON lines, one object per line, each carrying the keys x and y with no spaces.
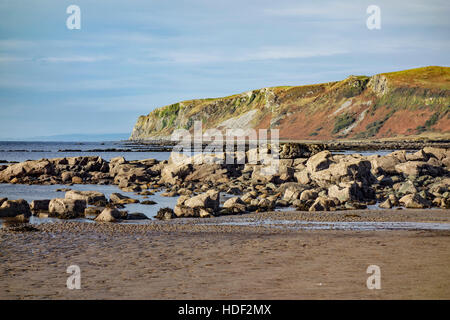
{"x":22,"y":150}
{"x":41,"y":192}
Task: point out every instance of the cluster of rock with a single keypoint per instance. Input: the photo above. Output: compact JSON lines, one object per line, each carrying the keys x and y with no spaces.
{"x":311,"y":180}
{"x":322,"y":182}
{"x":75,"y":204}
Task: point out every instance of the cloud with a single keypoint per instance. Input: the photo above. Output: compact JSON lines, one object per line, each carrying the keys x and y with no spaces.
{"x":70,"y":59}
{"x":260,"y":54}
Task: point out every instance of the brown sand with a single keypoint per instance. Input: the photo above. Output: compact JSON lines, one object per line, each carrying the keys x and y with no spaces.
{"x":190,"y":260}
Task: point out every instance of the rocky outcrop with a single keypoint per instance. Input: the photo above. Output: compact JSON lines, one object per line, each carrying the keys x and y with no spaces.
{"x":381,"y":106}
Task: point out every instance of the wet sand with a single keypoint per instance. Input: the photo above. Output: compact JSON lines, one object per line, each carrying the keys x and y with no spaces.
{"x":197,"y":259}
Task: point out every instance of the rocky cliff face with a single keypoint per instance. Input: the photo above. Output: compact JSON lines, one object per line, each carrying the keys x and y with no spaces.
{"x":406,"y":103}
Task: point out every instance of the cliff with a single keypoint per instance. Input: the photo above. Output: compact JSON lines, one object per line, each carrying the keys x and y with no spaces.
{"x":407,"y":103}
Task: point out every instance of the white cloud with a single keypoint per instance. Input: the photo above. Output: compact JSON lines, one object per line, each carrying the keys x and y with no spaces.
{"x":69,"y":59}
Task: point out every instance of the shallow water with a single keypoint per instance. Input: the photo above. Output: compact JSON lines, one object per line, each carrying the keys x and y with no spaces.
{"x":339,"y":225}
{"x":41,"y":192}
{"x":22,"y":150}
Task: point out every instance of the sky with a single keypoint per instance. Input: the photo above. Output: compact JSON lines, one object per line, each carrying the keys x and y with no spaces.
{"x":132,"y":56}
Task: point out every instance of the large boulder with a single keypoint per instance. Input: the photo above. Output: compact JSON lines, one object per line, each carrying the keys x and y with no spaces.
{"x":235,"y":204}
{"x":66,"y":208}
{"x":414,"y":201}
{"x":348,"y":169}
{"x":39,"y":205}
{"x":91,"y":197}
{"x":319,"y":161}
{"x":384,"y":164}
{"x":176,"y":172}
{"x":13,"y":208}
{"x":346,"y":192}
{"x":109,"y":215}
{"x":202,"y":205}
{"x":209,"y":199}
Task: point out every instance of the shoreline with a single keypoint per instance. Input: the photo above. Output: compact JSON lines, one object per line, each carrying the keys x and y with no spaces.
{"x":191,"y":260}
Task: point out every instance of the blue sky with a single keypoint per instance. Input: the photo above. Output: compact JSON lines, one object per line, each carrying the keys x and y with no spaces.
{"x":133,"y":56}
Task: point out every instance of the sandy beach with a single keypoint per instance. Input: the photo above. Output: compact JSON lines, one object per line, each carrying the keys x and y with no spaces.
{"x":207,"y":259}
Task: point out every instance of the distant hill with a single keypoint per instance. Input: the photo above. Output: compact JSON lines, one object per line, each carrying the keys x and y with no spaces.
{"x":406,"y":103}
{"x":82,"y":137}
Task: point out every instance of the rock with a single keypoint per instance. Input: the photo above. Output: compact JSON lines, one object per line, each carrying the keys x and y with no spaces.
{"x":414,"y":201}
{"x":92,"y":211}
{"x":2,"y":200}
{"x":165,"y":214}
{"x":417,"y":156}
{"x":292,"y":194}
{"x":109,"y":215}
{"x":322,"y":204}
{"x":235,"y":204}
{"x":446,"y":163}
{"x":384,"y":164}
{"x":318,"y":162}
{"x":77,"y":180}
{"x":136,"y":216}
{"x":170,"y":194}
{"x":407,"y":187}
{"x":66,"y":176}
{"x":191,"y":207}
{"x":302,"y":177}
{"x":39,"y":205}
{"x":148,"y":202}
{"x":248,"y":197}
{"x":346,"y":192}
{"x":34,"y":168}
{"x":118,"y":198}
{"x":308,"y":195}
{"x":417,"y":168}
{"x":400,"y":155}
{"x":266,"y":204}
{"x":174,"y":172}
{"x":66,"y":208}
{"x":14,"y":208}
{"x":386,"y":204}
{"x":348,"y":169}
{"x":207,"y":172}
{"x":91,"y":197}
{"x":437,"y":153}
{"x":210,"y":199}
